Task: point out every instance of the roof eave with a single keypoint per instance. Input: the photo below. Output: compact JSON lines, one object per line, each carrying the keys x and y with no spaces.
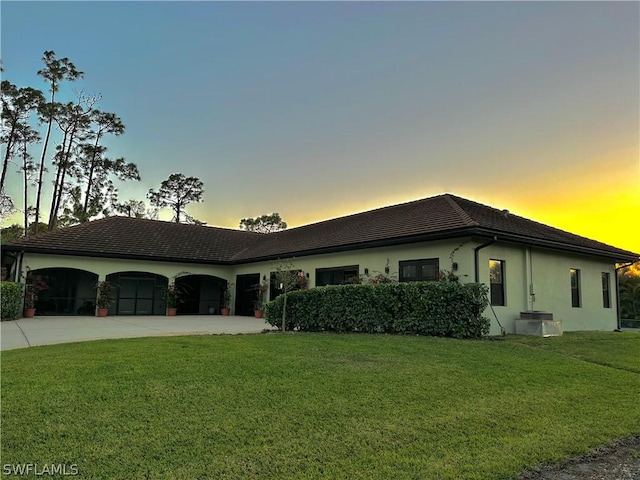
{"x":621,"y":256}
{"x":124,"y":256}
{"x":444,"y":235}
{"x":618,"y":256}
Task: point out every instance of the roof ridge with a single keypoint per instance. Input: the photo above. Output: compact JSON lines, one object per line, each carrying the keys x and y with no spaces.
{"x":509,"y":214}
{"x":364,"y":212}
{"x":468,"y":219}
{"x":177,"y":224}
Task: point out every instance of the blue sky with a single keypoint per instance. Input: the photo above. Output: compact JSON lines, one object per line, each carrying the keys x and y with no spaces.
{"x":327,"y":108}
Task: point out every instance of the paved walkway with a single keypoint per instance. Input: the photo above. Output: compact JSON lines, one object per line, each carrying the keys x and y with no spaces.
{"x":31,"y":332}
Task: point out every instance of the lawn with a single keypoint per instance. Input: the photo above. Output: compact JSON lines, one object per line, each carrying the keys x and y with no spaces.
{"x":317,"y":405}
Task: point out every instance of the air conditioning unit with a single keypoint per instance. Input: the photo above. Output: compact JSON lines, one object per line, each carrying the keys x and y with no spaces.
{"x":541,"y":324}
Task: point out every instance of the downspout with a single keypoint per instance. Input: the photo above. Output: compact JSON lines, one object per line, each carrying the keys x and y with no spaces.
{"x":529,"y":266}
{"x":476,"y":256}
{"x":17,"y":276}
{"x":618,"y":313}
{"x":476,"y":260}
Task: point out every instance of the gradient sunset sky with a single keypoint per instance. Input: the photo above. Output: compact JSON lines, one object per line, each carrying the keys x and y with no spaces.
{"x":321,"y":109}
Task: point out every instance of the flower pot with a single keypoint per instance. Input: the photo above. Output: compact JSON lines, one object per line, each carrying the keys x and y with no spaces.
{"x":258,"y":313}
{"x":224,"y":311}
{"x":29,"y":312}
{"x":102,"y":312}
{"x":172,"y":312}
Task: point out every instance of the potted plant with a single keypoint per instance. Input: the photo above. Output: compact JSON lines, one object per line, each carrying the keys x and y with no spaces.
{"x":258,"y":304}
{"x":226,"y":300}
{"x":104,"y":297}
{"x":34,"y":284}
{"x":172,"y":297}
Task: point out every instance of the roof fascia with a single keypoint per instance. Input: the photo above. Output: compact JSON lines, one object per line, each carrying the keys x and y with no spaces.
{"x":444,"y":235}
{"x":449,"y":234}
{"x":78,"y":253}
{"x":554,"y":245}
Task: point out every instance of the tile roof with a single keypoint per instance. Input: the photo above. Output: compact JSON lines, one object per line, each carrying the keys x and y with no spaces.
{"x":430,"y":218}
{"x":124,"y":237}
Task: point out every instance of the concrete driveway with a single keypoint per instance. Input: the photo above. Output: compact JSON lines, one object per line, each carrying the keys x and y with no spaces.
{"x":31,"y":332}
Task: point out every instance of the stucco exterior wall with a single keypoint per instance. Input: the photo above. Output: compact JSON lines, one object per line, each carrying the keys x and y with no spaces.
{"x":543,"y":272}
{"x":546,"y":274}
{"x":552,"y":284}
{"x":375,"y":260}
{"x":105,"y":266}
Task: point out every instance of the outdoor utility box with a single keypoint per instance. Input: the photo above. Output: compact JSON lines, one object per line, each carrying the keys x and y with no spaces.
{"x":541,"y":324}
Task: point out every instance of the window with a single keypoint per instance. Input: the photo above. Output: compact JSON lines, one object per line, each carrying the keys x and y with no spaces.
{"x":274,"y":285}
{"x":419,"y":270}
{"x":606,"y":294}
{"x":496,"y":282}
{"x":337,"y":276}
{"x":575,"y":287}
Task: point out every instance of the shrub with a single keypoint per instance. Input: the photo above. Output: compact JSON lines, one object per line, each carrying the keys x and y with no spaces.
{"x":448,"y":309}
{"x":11,"y":300}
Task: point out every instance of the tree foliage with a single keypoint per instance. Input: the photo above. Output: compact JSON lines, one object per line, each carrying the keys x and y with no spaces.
{"x":17,"y":106}
{"x":287,"y":279}
{"x":176,"y":192}
{"x":263,"y":224}
{"x":55,"y":71}
{"x":132,"y":208}
{"x":12,"y":232}
{"x":629,"y":292}
{"x":83,"y":173}
{"x":15,"y":231}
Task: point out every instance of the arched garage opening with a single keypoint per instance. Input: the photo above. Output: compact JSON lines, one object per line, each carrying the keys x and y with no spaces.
{"x":138,"y":293}
{"x":201,"y":294}
{"x":69,"y":292}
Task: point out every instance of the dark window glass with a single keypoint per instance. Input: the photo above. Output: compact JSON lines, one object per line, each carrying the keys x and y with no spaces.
{"x":337,"y":276}
{"x":425,"y":270}
{"x":496,"y":282}
{"x":430,"y":270}
{"x":275,"y":290}
{"x":409,"y":271}
{"x":575,"y":287}
{"x":606,"y":295}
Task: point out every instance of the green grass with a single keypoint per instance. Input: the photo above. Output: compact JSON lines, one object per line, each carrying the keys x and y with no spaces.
{"x":617,"y":350}
{"x":317,"y":405}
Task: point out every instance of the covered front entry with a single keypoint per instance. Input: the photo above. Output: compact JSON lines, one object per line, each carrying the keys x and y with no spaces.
{"x":138,"y":293}
{"x":200,"y":294}
{"x":246,"y":293}
{"x":68,"y":291}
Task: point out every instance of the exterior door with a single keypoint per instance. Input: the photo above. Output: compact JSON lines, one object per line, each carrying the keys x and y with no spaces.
{"x":136,"y":296}
{"x":246,"y":293}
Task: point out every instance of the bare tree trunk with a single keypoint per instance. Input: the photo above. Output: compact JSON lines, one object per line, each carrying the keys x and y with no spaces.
{"x":62,"y":171}
{"x":57,"y":180}
{"x":5,"y":163}
{"x":42,"y":164}
{"x":284,"y":313}
{"x":26,"y":189}
{"x":85,"y":207}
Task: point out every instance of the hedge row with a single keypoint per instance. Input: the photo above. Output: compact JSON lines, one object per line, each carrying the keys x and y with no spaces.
{"x":448,"y":309}
{"x":11,"y":300}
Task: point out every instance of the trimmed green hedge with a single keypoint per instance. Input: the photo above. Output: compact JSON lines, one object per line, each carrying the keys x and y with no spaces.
{"x":11,"y":300}
{"x":448,"y":309}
